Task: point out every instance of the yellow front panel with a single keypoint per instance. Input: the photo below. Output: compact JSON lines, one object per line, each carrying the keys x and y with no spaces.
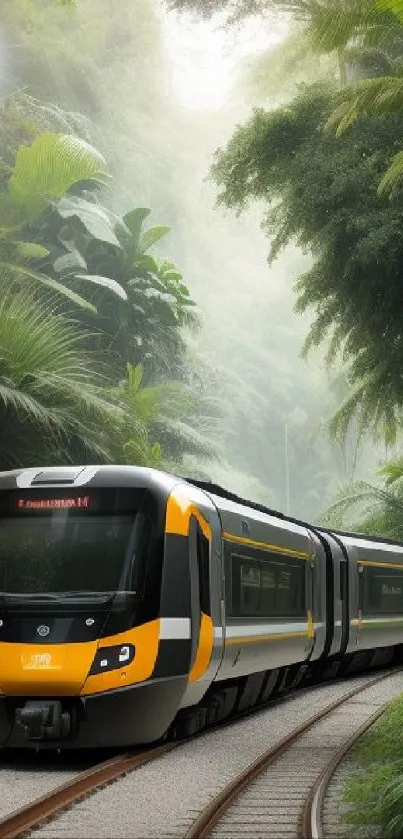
{"x":62,"y":669}
{"x":45,"y":669}
{"x":145,"y":639}
{"x":179,"y":511}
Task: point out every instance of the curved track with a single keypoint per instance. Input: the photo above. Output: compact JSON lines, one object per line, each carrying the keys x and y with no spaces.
{"x":281,"y":793}
{"x":312,"y":822}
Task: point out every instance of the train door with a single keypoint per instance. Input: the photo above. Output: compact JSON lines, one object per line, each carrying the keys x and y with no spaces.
{"x":344,"y":601}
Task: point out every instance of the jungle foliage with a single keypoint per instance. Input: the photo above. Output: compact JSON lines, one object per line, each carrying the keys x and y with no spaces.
{"x":83,"y":302}
{"x":322,"y":195}
{"x":328,"y":167}
{"x":374,"y":510}
{"x":105,"y":66}
{"x":374,"y":793}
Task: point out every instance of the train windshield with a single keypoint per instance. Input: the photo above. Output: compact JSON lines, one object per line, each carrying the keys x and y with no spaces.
{"x":73,"y":546}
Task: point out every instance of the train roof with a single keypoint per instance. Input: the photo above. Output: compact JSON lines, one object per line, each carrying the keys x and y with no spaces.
{"x":216,"y":489}
{"x":69,"y":474}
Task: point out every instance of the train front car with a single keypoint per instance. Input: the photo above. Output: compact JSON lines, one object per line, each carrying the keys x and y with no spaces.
{"x":90,"y":612}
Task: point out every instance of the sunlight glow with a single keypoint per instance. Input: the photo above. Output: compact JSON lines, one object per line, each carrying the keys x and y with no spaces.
{"x":204,"y":56}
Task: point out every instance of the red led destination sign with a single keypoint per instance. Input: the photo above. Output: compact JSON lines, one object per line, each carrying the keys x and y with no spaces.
{"x":82,"y":503}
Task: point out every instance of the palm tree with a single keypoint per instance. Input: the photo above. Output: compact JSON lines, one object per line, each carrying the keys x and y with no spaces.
{"x":368,"y":509}
{"x":52,"y":403}
{"x":370,"y":32}
{"x":163,"y":413}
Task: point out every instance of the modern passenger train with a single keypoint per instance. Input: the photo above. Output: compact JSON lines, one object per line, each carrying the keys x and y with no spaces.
{"x":136,"y":604}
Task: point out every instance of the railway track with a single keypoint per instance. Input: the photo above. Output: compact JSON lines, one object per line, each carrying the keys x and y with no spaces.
{"x":281,"y":793}
{"x":73,"y":790}
{"x":252,"y":804}
{"x":44,"y":808}
{"x":312,"y":818}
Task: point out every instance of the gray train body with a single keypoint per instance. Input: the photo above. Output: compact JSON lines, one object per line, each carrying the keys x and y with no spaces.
{"x":185,"y":605}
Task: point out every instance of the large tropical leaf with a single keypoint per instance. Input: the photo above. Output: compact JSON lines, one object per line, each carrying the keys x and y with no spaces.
{"x":151,"y":237}
{"x":368,"y":509}
{"x":92,"y":217}
{"x":133,"y":221}
{"x":186,"y":437}
{"x":31,"y":250}
{"x":392,"y":176}
{"x":104,"y":282}
{"x":50,"y":167}
{"x":70,"y":263}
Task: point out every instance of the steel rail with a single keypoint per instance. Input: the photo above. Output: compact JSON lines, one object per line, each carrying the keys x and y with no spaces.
{"x":208,"y":819}
{"x":42,"y":809}
{"x":311,"y":822}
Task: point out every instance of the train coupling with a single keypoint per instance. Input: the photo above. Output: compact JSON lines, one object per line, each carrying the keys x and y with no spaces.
{"x":44,"y":720}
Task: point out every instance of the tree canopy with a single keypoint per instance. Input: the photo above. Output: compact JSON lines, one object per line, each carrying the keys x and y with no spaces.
{"x":322,"y":194}
{"x":368,"y":509}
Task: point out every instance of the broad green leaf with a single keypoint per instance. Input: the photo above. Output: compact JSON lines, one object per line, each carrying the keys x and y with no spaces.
{"x":31,"y":250}
{"x":105,"y":282}
{"x":70,"y":263}
{"x":49,"y":167}
{"x":134,"y":222}
{"x":135,"y":375}
{"x":146,"y":263}
{"x":168,"y":266}
{"x":94,"y":218}
{"x":172,"y":276}
{"x":152,"y":236}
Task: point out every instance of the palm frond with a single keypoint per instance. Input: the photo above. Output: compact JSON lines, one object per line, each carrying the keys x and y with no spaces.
{"x":392,"y":471}
{"x":185,"y":438}
{"x":16,"y":272}
{"x":392,"y":176}
{"x":379,"y":508}
{"x":367,"y":98}
{"x":395,"y":7}
{"x":48,"y":384}
{"x":333,"y":23}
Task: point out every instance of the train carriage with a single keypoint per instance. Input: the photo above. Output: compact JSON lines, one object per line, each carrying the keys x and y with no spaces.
{"x":135,"y":604}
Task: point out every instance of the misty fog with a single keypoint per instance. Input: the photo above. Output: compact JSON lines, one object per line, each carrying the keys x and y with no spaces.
{"x":158,"y":108}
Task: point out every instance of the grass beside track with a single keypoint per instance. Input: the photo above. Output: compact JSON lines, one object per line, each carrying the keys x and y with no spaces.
{"x":374,"y":794}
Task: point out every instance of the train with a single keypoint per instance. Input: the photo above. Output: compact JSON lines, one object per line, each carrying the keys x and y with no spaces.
{"x":137,"y":605}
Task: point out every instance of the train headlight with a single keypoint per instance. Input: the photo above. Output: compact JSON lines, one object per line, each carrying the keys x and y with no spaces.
{"x":112,"y":658}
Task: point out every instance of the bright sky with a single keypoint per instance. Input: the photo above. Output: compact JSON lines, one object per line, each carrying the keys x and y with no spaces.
{"x":203,"y":56}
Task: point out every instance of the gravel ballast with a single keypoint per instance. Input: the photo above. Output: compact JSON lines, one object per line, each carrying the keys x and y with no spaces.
{"x":162,"y":799}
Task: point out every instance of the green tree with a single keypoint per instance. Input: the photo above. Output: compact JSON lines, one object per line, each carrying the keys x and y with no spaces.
{"x":42,"y":173}
{"x":56,"y":222}
{"x":164,"y":414}
{"x":322,"y":196}
{"x":52,"y":403}
{"x":368,"y":508}
{"x":70,"y":242}
{"x":369,"y":34}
